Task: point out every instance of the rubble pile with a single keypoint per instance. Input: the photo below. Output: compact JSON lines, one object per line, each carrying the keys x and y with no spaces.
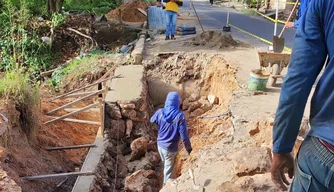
{"x":131,"y":161}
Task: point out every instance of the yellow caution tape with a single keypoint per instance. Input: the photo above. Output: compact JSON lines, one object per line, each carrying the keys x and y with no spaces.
{"x":257,"y":37}
{"x":273,"y":20}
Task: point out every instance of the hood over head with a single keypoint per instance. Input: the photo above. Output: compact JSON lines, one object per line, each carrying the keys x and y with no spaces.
{"x":172,"y":106}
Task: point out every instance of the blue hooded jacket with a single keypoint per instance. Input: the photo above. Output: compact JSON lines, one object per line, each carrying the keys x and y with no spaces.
{"x":172,"y":124}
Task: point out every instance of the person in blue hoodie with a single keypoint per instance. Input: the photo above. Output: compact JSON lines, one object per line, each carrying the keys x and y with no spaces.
{"x":171,"y":127}
{"x":301,"y":12}
{"x":313,"y":168}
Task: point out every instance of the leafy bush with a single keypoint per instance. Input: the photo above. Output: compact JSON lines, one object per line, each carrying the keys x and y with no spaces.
{"x":97,"y":7}
{"x":20,"y":44}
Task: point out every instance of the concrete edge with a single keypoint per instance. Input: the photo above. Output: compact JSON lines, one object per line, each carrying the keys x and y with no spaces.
{"x":93,"y":158}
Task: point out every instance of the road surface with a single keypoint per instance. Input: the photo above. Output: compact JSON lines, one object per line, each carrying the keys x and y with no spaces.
{"x":215,"y":18}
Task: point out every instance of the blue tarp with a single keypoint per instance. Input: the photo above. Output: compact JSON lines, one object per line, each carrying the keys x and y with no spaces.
{"x":156,"y":18}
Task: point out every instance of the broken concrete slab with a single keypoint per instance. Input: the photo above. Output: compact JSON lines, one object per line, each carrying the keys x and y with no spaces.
{"x":129,"y":87}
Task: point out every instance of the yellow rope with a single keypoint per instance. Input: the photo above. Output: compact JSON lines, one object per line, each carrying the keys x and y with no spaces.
{"x":257,"y":37}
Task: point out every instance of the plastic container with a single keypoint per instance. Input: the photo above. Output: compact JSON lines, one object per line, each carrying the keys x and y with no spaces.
{"x":258,"y":80}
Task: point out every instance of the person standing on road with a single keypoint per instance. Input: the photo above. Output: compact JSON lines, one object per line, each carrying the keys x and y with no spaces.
{"x":172,"y":7}
{"x":171,"y":126}
{"x":301,"y":12}
{"x":315,"y":159}
{"x":211,"y":2}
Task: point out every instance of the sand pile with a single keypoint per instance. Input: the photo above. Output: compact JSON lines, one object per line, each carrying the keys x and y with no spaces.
{"x":130,"y":12}
{"x":214,"y":39}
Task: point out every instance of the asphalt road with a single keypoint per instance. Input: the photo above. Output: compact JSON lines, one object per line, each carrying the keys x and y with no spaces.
{"x":215,"y":17}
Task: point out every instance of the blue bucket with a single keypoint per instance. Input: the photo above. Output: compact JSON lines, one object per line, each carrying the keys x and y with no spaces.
{"x":258,"y":80}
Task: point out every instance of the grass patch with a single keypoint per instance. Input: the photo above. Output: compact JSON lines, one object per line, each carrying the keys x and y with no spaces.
{"x":16,"y":89}
{"x":76,"y":70}
{"x":17,"y":86}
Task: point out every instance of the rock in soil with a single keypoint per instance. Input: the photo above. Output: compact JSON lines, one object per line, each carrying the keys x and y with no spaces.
{"x":113,"y":111}
{"x":142,"y":181}
{"x":138,"y":148}
{"x":256,"y":183}
{"x":251,"y":161}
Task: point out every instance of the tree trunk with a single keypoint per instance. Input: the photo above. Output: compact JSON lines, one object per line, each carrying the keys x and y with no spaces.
{"x":60,"y":5}
{"x":52,"y":6}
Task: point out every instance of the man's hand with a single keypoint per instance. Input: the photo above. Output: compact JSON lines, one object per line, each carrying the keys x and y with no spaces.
{"x":289,"y":24}
{"x":282,"y":162}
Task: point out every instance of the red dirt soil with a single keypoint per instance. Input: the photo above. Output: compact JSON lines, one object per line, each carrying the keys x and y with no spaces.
{"x":130,"y":12}
{"x":25,"y":156}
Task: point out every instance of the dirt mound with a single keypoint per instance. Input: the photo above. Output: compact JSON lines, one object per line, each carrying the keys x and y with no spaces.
{"x":130,"y":12}
{"x":214,"y":39}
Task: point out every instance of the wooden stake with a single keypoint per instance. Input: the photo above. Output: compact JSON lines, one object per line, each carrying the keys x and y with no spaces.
{"x":72,"y":113}
{"x":76,"y":90}
{"x":70,"y":147}
{"x":78,"y":94}
{"x":75,"y":102}
{"x":101,"y":117}
{"x":109,"y":72}
{"x":61,"y":183}
{"x":50,"y":176}
{"x":78,"y":121}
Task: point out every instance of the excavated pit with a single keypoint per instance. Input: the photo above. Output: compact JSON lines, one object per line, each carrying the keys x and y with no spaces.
{"x":130,"y":161}
{"x":206,"y":83}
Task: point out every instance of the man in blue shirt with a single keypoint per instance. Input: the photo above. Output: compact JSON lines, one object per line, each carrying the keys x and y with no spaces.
{"x":171,"y":126}
{"x":301,"y":12}
{"x":314,"y":40}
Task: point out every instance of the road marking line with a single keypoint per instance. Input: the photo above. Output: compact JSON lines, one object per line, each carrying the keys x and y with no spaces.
{"x":257,"y":37}
{"x":269,"y":18}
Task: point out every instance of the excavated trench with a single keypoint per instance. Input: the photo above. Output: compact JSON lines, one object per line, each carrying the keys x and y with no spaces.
{"x":131,"y":161}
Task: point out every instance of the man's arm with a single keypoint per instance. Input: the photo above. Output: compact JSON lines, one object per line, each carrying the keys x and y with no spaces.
{"x":155,"y":117}
{"x":307,"y":59}
{"x":184,"y":135}
{"x":301,"y":12}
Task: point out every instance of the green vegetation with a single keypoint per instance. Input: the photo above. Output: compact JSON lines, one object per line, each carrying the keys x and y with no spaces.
{"x":17,"y":86}
{"x":76,"y":69}
{"x":94,"y":6}
{"x":20,"y":43}
{"x":23,"y":51}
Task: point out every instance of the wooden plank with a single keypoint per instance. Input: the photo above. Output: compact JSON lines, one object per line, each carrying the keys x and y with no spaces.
{"x":70,"y":147}
{"x":74,"y":109}
{"x":78,"y":121}
{"x":75,"y":102}
{"x":142,"y":11}
{"x":47,"y":73}
{"x":72,"y":113}
{"x":50,"y":176}
{"x":61,"y":183}
{"x":78,"y":94}
{"x":76,"y":90}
